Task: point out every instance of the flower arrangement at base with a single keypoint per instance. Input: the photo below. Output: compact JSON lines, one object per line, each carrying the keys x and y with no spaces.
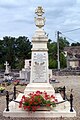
{"x":35,"y":100}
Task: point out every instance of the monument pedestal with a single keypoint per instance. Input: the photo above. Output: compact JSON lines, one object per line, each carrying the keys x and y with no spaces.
{"x":33,"y":87}
{"x":61,"y":110}
{"x":40,"y":114}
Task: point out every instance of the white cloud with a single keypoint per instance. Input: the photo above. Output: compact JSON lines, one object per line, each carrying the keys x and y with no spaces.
{"x":17,"y":17}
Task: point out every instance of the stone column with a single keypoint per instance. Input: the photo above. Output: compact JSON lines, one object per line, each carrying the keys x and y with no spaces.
{"x":39,"y":79}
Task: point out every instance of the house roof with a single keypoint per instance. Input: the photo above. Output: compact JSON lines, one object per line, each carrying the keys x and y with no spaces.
{"x":72,"y":49}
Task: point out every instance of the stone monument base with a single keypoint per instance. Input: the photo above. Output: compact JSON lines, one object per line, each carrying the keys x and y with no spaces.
{"x":33,"y":87}
{"x":61,"y":110}
{"x":39,"y":114}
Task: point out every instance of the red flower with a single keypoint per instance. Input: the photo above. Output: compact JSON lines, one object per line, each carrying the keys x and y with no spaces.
{"x":38,"y":92}
{"x":56,"y":100}
{"x":47,"y":105}
{"x":28,"y":107}
{"x":34,"y":108}
{"x":20,"y":104}
{"x":52,"y":96}
{"x":34,"y":100}
{"x":47,"y":96}
{"x":25,"y":107}
{"x":23,"y":97}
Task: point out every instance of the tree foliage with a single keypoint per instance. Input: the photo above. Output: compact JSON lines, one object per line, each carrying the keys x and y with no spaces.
{"x":63,"y":43}
{"x":52,"y":46}
{"x":15,"y":51}
{"x":75,"y":44}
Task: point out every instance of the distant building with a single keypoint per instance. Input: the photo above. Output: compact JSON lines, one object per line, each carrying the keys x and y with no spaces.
{"x":73,"y":56}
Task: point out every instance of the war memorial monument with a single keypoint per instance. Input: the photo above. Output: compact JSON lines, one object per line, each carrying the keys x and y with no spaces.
{"x":39,"y":78}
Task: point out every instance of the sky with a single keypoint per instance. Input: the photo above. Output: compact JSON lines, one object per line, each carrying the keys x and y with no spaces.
{"x":17,"y":18}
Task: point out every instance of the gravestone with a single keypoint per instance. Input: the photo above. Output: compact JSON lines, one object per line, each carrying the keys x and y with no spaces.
{"x":7,"y":75}
{"x":25,"y":72}
{"x":27,"y":63}
{"x":7,"y":67}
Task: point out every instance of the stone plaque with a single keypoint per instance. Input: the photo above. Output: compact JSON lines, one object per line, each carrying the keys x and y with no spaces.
{"x":39,"y":67}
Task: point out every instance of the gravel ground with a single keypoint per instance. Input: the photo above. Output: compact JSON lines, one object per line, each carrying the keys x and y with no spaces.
{"x":71,"y":82}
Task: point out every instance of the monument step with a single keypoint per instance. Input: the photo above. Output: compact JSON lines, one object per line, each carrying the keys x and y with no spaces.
{"x":39,"y":114}
{"x":33,"y":87}
{"x":39,"y":86}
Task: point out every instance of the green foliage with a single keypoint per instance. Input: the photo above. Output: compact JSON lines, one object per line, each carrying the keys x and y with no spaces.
{"x":52,"y":63}
{"x":23,"y":47}
{"x":75,"y":44}
{"x":52,"y":46}
{"x":19,"y":64}
{"x":63,"y":43}
{"x":9,"y":49}
{"x":15,"y":51}
{"x":62,"y":60}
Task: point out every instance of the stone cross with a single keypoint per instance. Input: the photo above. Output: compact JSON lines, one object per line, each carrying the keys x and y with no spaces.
{"x":7,"y":69}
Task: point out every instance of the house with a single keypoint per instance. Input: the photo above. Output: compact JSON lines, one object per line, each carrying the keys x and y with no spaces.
{"x":72,"y":54}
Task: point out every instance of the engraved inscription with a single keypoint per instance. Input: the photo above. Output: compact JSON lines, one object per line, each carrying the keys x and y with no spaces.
{"x":39,"y":67}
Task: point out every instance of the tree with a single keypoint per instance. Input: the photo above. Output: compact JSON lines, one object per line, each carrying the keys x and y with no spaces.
{"x":23,"y":50}
{"x":52,"y":46}
{"x":75,"y":44}
{"x":9,"y":49}
{"x":63,"y":43}
{"x":1,"y":54}
{"x":63,"y":62}
{"x":52,"y":52}
{"x":15,"y":51}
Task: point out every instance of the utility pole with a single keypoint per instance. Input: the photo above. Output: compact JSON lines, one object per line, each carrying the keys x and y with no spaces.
{"x":58,"y":50}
